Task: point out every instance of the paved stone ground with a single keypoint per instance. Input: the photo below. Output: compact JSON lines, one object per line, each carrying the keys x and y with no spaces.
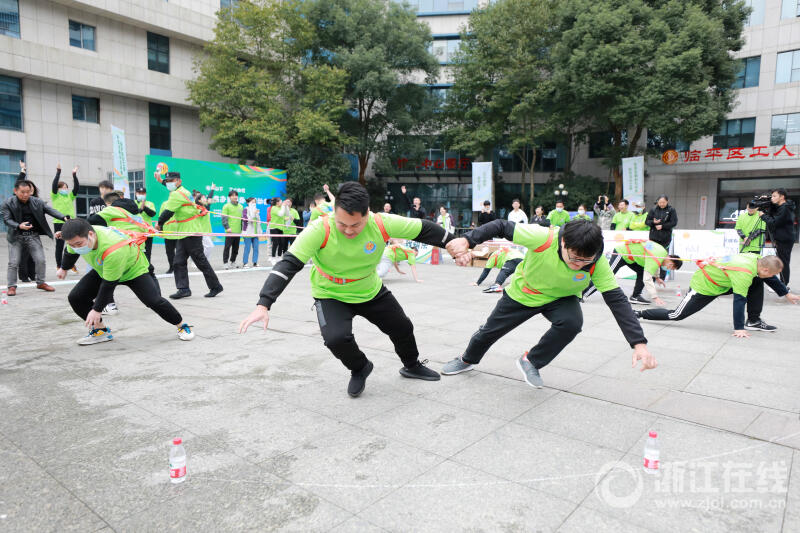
{"x":274,"y":442}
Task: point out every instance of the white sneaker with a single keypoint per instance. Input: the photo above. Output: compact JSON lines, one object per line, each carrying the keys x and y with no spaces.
{"x":237,"y":265}
{"x":245,"y":266}
{"x":111,"y":309}
{"x":226,"y":266}
{"x":185,"y":332}
{"x":95,"y":336}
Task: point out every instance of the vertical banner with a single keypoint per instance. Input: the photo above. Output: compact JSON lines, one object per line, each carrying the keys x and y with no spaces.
{"x":120,"y":160}
{"x":481,"y":184}
{"x":633,"y":179}
{"x":701,"y":219}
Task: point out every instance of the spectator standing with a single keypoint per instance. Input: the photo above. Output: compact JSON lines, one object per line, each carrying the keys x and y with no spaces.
{"x":581,"y":214}
{"x":232,"y":222}
{"x":639,"y":222}
{"x":292,"y":219}
{"x":387,"y":208}
{"x":486,"y":215}
{"x":780,"y":223}
{"x":661,"y":220}
{"x":414,"y":206}
{"x":276,"y":227}
{"x":558,"y":217}
{"x":539,"y":217}
{"x":445,"y":220}
{"x":147,"y":210}
{"x":63,"y":201}
{"x":251,"y":228}
{"x":98,"y":204}
{"x":622,"y":220}
{"x":750,"y":228}
{"x":604,"y":212}
{"x":517,"y":215}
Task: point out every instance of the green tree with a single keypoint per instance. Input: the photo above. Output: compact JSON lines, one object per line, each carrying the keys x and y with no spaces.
{"x":264,"y":101}
{"x":501,"y":83}
{"x":383,"y":48}
{"x":624,"y":66}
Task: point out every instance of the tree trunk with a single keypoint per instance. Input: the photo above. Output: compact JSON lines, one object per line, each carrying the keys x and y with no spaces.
{"x":531,"y":196}
{"x":617,"y":165}
{"x":362,"y":169}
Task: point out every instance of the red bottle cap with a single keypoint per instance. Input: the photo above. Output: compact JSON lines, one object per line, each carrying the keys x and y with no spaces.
{"x":178,"y":440}
{"x":653,"y":435}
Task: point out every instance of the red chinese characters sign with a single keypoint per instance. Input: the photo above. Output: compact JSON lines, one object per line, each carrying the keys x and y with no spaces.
{"x":450,"y":163}
{"x":716,"y":155}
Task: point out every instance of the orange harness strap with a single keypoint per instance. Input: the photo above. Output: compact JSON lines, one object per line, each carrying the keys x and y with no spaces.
{"x":203,"y":211}
{"x":702,"y":264}
{"x":646,"y":251}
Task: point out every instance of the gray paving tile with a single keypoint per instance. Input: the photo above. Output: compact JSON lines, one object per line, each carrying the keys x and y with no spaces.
{"x":722,"y":414}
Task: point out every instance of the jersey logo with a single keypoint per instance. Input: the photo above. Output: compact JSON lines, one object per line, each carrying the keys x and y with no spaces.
{"x":370,"y":247}
{"x":580,"y":276}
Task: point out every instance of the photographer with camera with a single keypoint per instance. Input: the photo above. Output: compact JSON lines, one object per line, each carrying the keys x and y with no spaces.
{"x":751,"y":230}
{"x":779,"y":218}
{"x":604,"y":212}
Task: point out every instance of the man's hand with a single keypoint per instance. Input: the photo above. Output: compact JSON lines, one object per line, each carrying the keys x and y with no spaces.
{"x":25,"y":226}
{"x":157,"y":226}
{"x":656,"y":220}
{"x":473,"y":284}
{"x":94,"y":319}
{"x":326,"y":188}
{"x":660,"y":281}
{"x":457,"y":246}
{"x":641,"y":353}
{"x":61,"y":273}
{"x":659,"y":301}
{"x":742,"y":334}
{"x":259,"y":314}
{"x":21,"y":164}
{"x":58,"y":166}
{"x":400,"y":271}
{"x":57,"y":235}
{"x":658,"y":226}
{"x":75,"y":169}
{"x":227,"y":230}
{"x":793,"y":298}
{"x":403,"y":189}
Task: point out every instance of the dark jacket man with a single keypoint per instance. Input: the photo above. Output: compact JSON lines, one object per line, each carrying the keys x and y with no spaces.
{"x":669,"y":219}
{"x":12,"y":216}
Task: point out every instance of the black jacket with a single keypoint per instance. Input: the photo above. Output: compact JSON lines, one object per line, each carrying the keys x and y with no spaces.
{"x":11,"y":211}
{"x":485,"y":218}
{"x":124,"y":203}
{"x":414,"y":212}
{"x":669,"y":219}
{"x":780,"y":222}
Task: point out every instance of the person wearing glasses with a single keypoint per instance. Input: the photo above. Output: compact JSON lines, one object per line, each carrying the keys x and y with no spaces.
{"x":560,"y":263}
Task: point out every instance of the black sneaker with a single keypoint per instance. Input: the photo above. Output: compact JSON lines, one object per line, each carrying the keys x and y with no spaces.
{"x":182,"y":293}
{"x":213,"y":292}
{"x":420,"y":371}
{"x":358,"y":380}
{"x":638,"y":299}
{"x":169,"y":271}
{"x":759,"y":325}
{"x":638,"y":314}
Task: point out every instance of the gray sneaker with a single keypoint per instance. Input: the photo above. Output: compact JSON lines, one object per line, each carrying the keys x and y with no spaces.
{"x":456,"y":366}
{"x":529,"y":372}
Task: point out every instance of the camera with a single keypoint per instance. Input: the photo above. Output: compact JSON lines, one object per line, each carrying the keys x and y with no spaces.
{"x":763,"y":202}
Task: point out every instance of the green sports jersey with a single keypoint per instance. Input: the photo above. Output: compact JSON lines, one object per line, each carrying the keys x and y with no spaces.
{"x":747,"y":224}
{"x":64,"y":203}
{"x":737,"y":277}
{"x":234,"y":214}
{"x":558,"y":218}
{"x":147,"y":218}
{"x":397,"y":253}
{"x":543,"y":277}
{"x":187,"y":218}
{"x":581,"y":217}
{"x":638,"y":222}
{"x":165,"y":232}
{"x":324,"y":209}
{"x":622,"y":220}
{"x":649,"y":255}
{"x":118,"y":217}
{"x":289,"y":229}
{"x":499,"y":257}
{"x":122,"y":264}
{"x":276,"y":220}
{"x":349,"y":259}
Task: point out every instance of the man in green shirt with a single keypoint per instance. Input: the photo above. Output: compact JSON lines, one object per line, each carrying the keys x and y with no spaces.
{"x":323,"y":208}
{"x":647,"y":259}
{"x":559,"y":264}
{"x":63,"y":201}
{"x":639,"y":220}
{"x":345,"y":250}
{"x":393,"y":255}
{"x":232,"y":222}
{"x":147,"y":210}
{"x":188,"y":221}
{"x":291,"y":221}
{"x":622,"y":220}
{"x":506,"y":259}
{"x":116,"y":259}
{"x":558,"y":217}
{"x":743,"y":275}
{"x":751,"y":228}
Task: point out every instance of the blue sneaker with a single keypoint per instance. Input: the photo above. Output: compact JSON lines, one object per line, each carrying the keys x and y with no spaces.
{"x":95,"y":336}
{"x":185,"y":332}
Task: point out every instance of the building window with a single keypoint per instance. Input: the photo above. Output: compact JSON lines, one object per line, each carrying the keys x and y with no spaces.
{"x":135,"y":180}
{"x":160,"y":127}
{"x":444,"y":48}
{"x":427,"y":7}
{"x":601,"y":142}
{"x":81,"y":35}
{"x":10,"y":103}
{"x":790,"y":9}
{"x":748,"y":73}
{"x":756,"y":14}
{"x":439,"y":92}
{"x":662,"y":144}
{"x":228,"y":3}
{"x":9,"y":18}
{"x":86,"y":109}
{"x":788,"y":67}
{"x":158,"y":52}
{"x":736,"y":133}
{"x":785,"y":129}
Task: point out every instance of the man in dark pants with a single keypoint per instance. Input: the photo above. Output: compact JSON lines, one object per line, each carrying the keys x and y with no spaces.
{"x":147,"y":210}
{"x":188,"y":218}
{"x":232,"y":222}
{"x":116,"y":259}
{"x":414,"y":206}
{"x":780,"y":222}
{"x":506,"y":259}
{"x":743,"y":275}
{"x":559,"y":264}
{"x":345,"y":250}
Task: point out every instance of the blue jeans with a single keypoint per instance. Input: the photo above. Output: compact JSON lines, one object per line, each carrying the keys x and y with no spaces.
{"x":248,"y":242}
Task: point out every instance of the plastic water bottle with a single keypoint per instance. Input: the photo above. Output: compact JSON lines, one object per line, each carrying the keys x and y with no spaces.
{"x":4,"y":299}
{"x":651,"y":453}
{"x":678,"y":292}
{"x":177,"y":461}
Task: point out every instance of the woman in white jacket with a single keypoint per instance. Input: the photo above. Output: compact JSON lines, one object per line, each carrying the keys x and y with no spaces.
{"x":251,"y":229}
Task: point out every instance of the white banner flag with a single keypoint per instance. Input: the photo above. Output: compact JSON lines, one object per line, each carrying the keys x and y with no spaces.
{"x":481,"y":184}
{"x":120,"y":160}
{"x":633,"y":180}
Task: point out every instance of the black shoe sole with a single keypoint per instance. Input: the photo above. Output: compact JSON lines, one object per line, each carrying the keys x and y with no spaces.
{"x":750,"y":328}
{"x":365,"y":372}
{"x":408,"y":374}
{"x":213,"y":293}
{"x":179,"y":296}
